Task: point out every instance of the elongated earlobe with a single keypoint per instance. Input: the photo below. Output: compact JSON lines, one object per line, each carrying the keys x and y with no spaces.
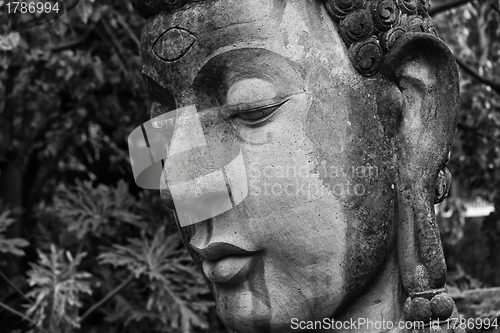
{"x":425,"y":71}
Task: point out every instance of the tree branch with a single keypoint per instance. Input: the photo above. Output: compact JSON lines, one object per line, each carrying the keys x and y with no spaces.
{"x":13,"y":286}
{"x":127,"y":28}
{"x":119,"y":50}
{"x":443,"y":7}
{"x":495,"y":86}
{"x":71,"y":44}
{"x":8,"y":308}
{"x":495,"y":8}
{"x":106,"y":298}
{"x":476,"y":132}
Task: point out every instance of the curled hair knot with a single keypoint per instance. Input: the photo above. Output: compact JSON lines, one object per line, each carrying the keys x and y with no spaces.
{"x":375,"y":26}
{"x":339,"y":9}
{"x":389,"y":38}
{"x":409,"y":6}
{"x":367,"y":56}
{"x":385,"y":14}
{"x":356,"y":26}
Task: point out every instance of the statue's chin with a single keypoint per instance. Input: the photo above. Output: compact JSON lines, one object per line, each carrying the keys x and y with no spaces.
{"x":256,"y":323}
{"x":246,"y":312}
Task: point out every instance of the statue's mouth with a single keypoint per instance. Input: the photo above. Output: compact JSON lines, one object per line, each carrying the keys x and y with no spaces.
{"x":217,"y":251}
{"x":232,"y":269}
{"x":224,"y":262}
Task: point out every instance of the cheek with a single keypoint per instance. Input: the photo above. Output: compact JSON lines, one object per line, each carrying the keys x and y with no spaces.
{"x":352,"y":152}
{"x":328,"y":129}
{"x":309,"y":257}
{"x":371,"y":238}
{"x":372,"y":215}
{"x":277,"y":159}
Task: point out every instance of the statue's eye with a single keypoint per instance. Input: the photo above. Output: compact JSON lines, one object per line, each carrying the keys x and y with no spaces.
{"x":259,"y":115}
{"x":254,"y":101}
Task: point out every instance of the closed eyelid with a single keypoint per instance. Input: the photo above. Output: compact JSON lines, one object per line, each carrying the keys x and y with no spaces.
{"x":261,"y":115}
{"x":246,"y":75}
{"x":258,"y":113}
{"x":255,"y":106}
{"x":248,"y":112}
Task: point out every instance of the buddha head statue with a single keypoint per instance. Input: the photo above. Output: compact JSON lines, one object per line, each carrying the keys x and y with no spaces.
{"x":309,"y":144}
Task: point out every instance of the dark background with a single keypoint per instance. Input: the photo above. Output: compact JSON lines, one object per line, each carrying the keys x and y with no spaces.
{"x":82,"y":249}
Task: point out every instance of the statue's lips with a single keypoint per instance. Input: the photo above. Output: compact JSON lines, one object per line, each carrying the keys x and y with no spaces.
{"x":217,"y":251}
{"x":224,"y":262}
{"x":229,"y":269}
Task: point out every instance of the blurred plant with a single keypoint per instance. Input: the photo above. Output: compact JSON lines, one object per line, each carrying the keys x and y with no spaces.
{"x":472,"y":31}
{"x":96,"y":210}
{"x":450,"y":216}
{"x":176,"y":299}
{"x":57,"y":286}
{"x":71,"y":91}
{"x":491,"y":229}
{"x":176,"y":288}
{"x":10,"y":245}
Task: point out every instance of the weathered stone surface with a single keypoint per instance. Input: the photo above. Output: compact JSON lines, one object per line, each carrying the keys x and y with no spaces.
{"x":339,"y":115}
{"x":442,"y":306}
{"x":173,"y":44}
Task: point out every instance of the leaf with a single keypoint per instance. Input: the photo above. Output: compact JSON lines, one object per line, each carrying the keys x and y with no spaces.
{"x":85,"y":10}
{"x":11,"y":245}
{"x":175,"y":285}
{"x":10,"y":41}
{"x":56,"y":288}
{"x":86,"y":209}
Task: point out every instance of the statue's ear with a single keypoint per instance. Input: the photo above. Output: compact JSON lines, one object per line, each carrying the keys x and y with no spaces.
{"x":426,"y":74}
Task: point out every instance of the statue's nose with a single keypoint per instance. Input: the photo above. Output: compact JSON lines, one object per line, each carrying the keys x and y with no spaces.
{"x":188,"y":200}
{"x":203,"y":183}
{"x":204,"y":172}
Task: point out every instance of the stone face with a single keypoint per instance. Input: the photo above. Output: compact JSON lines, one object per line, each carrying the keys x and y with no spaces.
{"x":304,"y":160}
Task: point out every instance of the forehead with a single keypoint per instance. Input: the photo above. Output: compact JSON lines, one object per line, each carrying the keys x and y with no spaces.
{"x":175,"y":46}
{"x":181,"y":42}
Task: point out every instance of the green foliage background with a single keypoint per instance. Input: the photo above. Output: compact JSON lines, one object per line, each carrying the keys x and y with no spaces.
{"x":82,"y":249}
